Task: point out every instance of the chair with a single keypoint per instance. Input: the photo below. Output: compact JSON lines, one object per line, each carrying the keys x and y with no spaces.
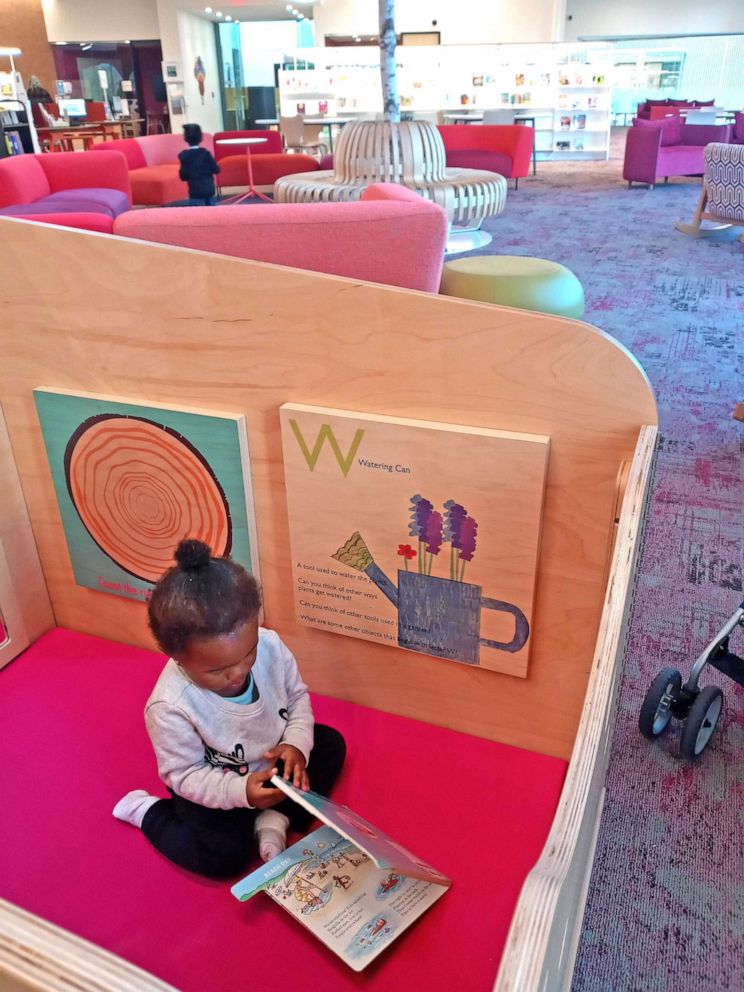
{"x":722,"y":198}
{"x":294,"y":135}
{"x":498,"y":116}
{"x":154,"y":124}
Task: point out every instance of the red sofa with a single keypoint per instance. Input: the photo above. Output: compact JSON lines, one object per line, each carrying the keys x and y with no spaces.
{"x":667,"y":147}
{"x":502,"y":148}
{"x":153,"y":166}
{"x":67,"y":188}
{"x":269,"y":160}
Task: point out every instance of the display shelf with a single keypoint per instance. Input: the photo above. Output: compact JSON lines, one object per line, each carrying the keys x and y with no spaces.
{"x":545,"y":82}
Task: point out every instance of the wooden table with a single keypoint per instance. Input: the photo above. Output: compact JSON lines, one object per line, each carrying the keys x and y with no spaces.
{"x":251,"y":191}
{"x":86,"y":131}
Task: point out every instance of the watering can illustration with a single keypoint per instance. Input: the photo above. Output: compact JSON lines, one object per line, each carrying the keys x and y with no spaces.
{"x":436,"y":616}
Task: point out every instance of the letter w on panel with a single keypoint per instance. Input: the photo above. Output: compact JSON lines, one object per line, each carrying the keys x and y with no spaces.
{"x":326,"y":433}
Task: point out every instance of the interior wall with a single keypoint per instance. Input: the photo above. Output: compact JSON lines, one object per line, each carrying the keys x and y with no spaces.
{"x":466,"y":22}
{"x":22,"y":26}
{"x":197,"y":41}
{"x":99,"y":20}
{"x":631,"y":18}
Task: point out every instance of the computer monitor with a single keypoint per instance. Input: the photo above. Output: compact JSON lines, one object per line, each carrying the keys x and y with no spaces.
{"x":72,"y":109}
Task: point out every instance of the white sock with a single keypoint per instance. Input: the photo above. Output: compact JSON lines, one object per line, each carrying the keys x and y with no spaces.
{"x":271,"y":833}
{"x":132,"y":808}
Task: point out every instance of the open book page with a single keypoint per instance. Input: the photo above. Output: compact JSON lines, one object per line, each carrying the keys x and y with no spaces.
{"x":337,"y":892}
{"x":383,"y":850}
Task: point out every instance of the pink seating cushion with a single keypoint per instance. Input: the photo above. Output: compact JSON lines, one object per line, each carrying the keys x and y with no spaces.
{"x":272,"y":143}
{"x":74,"y":742}
{"x":156,"y":185}
{"x":103,"y":223}
{"x":671,"y":129}
{"x":739,"y":127}
{"x":399,"y":243}
{"x":129,"y":147}
{"x":480,"y":158}
{"x":266,"y":168}
{"x":22,"y":180}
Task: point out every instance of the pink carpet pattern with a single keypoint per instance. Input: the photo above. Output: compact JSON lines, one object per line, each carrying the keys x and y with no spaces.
{"x":666,"y":901}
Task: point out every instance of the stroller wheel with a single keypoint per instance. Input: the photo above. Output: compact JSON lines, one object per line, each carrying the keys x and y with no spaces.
{"x":656,"y":711}
{"x":701,"y":722}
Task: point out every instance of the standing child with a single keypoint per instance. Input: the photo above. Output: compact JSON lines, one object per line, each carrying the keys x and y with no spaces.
{"x":198,"y":167}
{"x":228,"y":704}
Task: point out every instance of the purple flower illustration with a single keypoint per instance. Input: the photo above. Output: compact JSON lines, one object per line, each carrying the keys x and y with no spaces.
{"x":421,"y":510}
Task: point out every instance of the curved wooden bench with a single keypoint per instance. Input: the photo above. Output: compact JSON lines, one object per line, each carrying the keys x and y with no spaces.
{"x":410,"y":153}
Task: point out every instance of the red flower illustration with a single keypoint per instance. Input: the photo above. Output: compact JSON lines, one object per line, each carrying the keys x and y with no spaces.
{"x":405,"y":550}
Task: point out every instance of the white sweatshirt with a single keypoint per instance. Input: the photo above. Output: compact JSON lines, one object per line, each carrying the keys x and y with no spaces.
{"x":206,"y":745}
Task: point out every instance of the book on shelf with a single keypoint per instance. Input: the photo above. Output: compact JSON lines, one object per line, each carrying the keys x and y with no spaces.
{"x":579,"y":121}
{"x":348,"y":883}
{"x":14,"y":143}
{"x":8,"y":117}
{"x":565,"y":123}
{"x":563,"y":146}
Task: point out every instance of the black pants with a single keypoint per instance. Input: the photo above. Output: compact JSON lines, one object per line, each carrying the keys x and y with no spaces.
{"x":218,"y":843}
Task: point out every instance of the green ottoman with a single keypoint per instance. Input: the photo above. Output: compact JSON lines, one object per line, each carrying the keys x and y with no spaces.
{"x":513,"y":281}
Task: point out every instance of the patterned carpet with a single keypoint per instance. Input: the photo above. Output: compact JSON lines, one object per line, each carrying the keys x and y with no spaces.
{"x":666,"y":902}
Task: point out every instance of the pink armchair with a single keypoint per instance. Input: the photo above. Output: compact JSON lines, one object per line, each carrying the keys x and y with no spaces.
{"x":668,"y":148}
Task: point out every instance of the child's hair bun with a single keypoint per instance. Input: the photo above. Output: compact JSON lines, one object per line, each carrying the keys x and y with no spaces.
{"x":192,"y":555}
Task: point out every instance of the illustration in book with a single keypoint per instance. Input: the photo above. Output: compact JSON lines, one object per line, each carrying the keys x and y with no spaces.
{"x":415,"y":534}
{"x":351,"y":885}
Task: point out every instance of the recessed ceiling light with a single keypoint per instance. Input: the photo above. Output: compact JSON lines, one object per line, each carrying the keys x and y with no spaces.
{"x":60,"y":42}
{"x":127,"y":42}
{"x":218,"y":13}
{"x":227,"y":17}
{"x":207,"y":10}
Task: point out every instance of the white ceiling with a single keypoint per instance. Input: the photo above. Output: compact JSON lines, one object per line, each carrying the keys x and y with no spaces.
{"x":249,"y":10}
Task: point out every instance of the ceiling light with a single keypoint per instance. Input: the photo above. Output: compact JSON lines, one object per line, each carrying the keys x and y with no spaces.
{"x":60,"y":42}
{"x":127,"y":42}
{"x":218,"y":13}
{"x":227,"y":17}
{"x":207,"y":10}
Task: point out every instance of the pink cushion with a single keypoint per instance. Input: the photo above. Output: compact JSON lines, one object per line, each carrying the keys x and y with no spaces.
{"x":156,"y":185}
{"x":127,"y":146}
{"x":398,"y":244}
{"x":74,"y":742}
{"x":670,"y":127}
{"x":163,"y":149}
{"x":266,"y":168}
{"x":272,"y":145}
{"x":390,"y":191}
{"x":103,"y":223}
{"x":22,"y":180}
{"x":480,"y":158}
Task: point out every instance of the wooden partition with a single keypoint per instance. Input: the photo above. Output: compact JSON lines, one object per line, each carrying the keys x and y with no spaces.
{"x":25,"y":610}
{"x":154,"y":323}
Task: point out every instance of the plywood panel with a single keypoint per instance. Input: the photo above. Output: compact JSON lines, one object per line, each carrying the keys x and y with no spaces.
{"x":415,"y":533}
{"x":24,"y":603}
{"x":177,"y":326}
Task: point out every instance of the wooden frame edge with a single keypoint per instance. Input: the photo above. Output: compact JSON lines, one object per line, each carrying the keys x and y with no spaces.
{"x":36,"y":954}
{"x":540,"y":949}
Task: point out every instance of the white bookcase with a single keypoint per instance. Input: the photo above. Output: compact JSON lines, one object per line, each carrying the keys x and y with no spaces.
{"x":565,"y":88}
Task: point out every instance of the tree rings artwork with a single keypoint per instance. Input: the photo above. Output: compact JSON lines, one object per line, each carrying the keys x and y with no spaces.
{"x":132,"y":480}
{"x":139,"y":487}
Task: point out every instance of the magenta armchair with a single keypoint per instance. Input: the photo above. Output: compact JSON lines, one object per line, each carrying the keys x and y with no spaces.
{"x":665,"y":148}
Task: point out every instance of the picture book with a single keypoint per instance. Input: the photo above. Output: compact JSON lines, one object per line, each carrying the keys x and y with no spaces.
{"x":579,"y":121}
{"x":351,"y":885}
{"x":565,"y":123}
{"x":14,"y":141}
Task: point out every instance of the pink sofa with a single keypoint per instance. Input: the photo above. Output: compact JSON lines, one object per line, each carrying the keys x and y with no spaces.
{"x":65,"y":188}
{"x":153,"y":166}
{"x":269,"y":160}
{"x":391,"y":236}
{"x":667,"y":147}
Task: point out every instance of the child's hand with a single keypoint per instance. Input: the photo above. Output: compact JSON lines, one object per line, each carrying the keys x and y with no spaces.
{"x":294,"y":764}
{"x":259,"y":797}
